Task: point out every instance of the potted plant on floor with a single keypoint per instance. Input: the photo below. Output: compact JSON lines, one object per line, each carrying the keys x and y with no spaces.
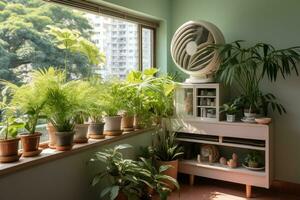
{"x":9,"y":142}
{"x":230,"y":109}
{"x":126,"y":176}
{"x":247,"y":66}
{"x":157,"y":179}
{"x":112,"y":105}
{"x":167,"y":152}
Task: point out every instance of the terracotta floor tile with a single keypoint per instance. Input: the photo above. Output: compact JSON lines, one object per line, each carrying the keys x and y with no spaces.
{"x":208,"y":189}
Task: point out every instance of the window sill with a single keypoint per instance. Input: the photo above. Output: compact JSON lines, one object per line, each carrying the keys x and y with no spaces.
{"x":51,"y":154}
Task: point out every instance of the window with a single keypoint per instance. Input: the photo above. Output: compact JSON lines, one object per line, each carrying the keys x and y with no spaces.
{"x":25,"y":43}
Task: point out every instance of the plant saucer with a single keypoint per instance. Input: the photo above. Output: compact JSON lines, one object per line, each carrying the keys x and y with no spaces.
{"x":252,"y":168}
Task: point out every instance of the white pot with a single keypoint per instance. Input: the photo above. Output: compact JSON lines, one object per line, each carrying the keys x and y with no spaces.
{"x":112,"y":123}
{"x":230,"y":118}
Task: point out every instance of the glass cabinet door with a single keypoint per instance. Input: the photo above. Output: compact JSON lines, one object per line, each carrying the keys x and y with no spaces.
{"x":184,"y":102}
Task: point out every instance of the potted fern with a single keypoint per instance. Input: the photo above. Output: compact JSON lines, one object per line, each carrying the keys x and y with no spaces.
{"x":248,"y":66}
{"x":61,"y":107}
{"x":112,"y":106}
{"x":9,"y":142}
{"x":30,"y":99}
{"x":167,"y":152}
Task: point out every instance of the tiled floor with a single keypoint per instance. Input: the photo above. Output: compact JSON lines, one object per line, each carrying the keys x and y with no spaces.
{"x":207,"y":189}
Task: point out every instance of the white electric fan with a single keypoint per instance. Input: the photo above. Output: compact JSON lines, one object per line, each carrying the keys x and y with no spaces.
{"x":190,"y":52}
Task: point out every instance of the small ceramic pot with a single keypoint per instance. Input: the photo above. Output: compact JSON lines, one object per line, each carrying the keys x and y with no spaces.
{"x":64,"y":140}
{"x":81,"y":131}
{"x":230,"y":118}
{"x":172,"y":172}
{"x":127,"y":122}
{"x":112,"y":123}
{"x":138,"y":125}
{"x":52,"y":137}
{"x":249,"y":115}
{"x":9,"y":147}
{"x":252,"y":164}
{"x":30,"y":142}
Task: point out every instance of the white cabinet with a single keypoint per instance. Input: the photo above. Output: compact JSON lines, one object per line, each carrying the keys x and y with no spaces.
{"x":199,"y":101}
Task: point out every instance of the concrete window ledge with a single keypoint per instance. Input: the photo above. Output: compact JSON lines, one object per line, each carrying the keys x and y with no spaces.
{"x":51,"y":154}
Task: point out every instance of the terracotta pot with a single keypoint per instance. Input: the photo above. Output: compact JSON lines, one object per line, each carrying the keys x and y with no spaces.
{"x":137,"y":123}
{"x":64,"y":140}
{"x":9,"y":147}
{"x":172,"y":172}
{"x":121,"y":196}
{"x":81,"y":131}
{"x":52,"y":137}
{"x":112,"y":123}
{"x":30,"y":142}
{"x":96,"y":128}
{"x":127,"y":122}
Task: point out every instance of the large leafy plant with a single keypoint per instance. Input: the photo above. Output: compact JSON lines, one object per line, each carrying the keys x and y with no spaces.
{"x":112,"y":96}
{"x":125,"y":175}
{"x":248,"y":66}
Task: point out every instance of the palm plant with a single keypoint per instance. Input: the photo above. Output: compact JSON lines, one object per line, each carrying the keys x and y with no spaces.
{"x":9,"y":122}
{"x":150,"y":93}
{"x":247,"y":66}
{"x":30,"y":99}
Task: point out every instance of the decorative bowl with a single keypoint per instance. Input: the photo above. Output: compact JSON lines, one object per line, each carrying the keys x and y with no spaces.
{"x":265,"y":120}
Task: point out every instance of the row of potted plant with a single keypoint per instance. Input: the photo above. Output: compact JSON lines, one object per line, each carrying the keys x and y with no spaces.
{"x":77,"y":107}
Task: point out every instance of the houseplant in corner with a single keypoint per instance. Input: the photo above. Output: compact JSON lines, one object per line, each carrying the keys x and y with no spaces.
{"x":126,"y":176}
{"x":247,"y":66}
{"x":167,"y":152}
{"x":112,"y":104}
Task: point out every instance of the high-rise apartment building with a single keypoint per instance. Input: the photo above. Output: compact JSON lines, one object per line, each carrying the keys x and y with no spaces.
{"x":118,"y":39}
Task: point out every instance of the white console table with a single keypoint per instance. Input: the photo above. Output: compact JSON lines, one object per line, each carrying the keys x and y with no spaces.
{"x":221,"y":130}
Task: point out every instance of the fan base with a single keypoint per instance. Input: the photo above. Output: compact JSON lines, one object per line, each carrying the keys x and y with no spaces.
{"x":195,"y":80}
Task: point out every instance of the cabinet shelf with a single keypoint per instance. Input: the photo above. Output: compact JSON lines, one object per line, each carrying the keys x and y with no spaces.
{"x":203,"y":96}
{"x":242,"y":146}
{"x":217,"y":166}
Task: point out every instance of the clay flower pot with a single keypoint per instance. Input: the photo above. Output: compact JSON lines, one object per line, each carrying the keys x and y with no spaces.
{"x":52,"y":137}
{"x":9,"y":150}
{"x":127,"y":123}
{"x":95,"y":130}
{"x":112,"y":125}
{"x":30,"y":144}
{"x":172,"y":172}
{"x":138,"y":125}
{"x":81,"y":131}
{"x":64,"y":140}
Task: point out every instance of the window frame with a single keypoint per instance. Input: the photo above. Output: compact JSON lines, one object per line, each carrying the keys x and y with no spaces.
{"x":104,"y":10}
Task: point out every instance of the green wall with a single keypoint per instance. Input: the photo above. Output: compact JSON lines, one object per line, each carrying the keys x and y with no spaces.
{"x":271,"y":21}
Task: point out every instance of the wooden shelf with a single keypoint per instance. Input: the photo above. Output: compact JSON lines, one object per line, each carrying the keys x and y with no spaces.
{"x":217,"y":166}
{"x":206,"y":96}
{"x":207,"y":107}
{"x":243,"y":146}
